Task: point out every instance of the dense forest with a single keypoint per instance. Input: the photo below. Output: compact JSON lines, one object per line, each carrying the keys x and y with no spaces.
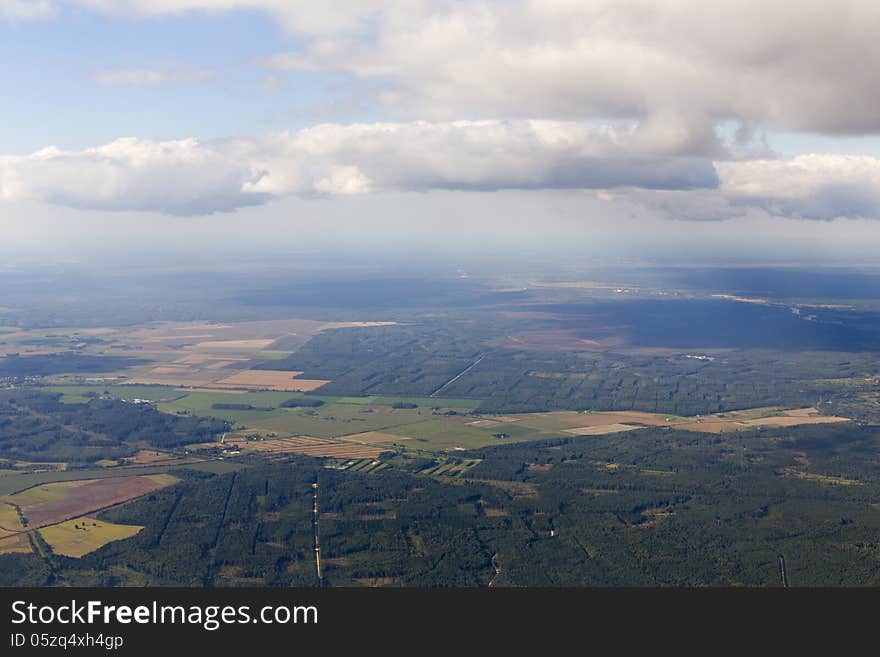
{"x":422,"y":358}
{"x":36,"y":426}
{"x":71,"y":362}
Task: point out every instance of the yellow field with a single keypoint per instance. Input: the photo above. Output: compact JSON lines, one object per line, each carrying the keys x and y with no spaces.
{"x":601,"y":429}
{"x":271,"y":380}
{"x":79,"y":536}
{"x":234,"y":345}
{"x":741,"y":420}
{"x":9,"y":520}
{"x":226,"y":392}
{"x":148,"y":456}
{"x":370,"y":437}
{"x":17,"y":543}
{"x":195,"y":354}
{"x":321,"y":447}
{"x":607,"y":422}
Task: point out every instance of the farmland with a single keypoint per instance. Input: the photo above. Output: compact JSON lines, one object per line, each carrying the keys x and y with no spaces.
{"x":415,"y":423}
{"x":548,"y":427}
{"x":206,"y":354}
{"x":15,"y":544}
{"x":52,"y":503}
{"x":606,"y":510}
{"x":79,"y":536}
{"x":56,"y":513}
{"x":308,"y":446}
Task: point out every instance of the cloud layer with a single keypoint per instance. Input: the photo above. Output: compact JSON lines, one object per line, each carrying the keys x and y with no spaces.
{"x":630,"y":95}
{"x":677,"y":67}
{"x":191,"y":177}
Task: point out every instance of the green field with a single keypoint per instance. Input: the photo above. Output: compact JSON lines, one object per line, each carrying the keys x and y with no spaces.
{"x":420,"y":428}
{"x":77,"y":394}
{"x":445,"y":434}
{"x":14,"y":483}
{"x":339,"y":416}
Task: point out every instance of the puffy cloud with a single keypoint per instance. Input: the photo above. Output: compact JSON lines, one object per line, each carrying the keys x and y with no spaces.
{"x":815,"y":187}
{"x":178,"y":177}
{"x":193,"y":177}
{"x":680,"y":65}
{"x":807,"y":186}
{"x":137,"y":77}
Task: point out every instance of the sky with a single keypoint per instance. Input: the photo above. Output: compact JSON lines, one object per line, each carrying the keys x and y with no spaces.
{"x":735,"y":128}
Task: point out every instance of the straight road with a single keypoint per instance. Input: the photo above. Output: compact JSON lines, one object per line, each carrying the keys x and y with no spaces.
{"x":317,"y":539}
{"x":457,"y":376}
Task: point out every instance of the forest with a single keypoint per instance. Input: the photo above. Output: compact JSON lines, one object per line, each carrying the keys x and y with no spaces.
{"x":36,"y":426}
{"x":419,"y":358}
{"x":666,"y":508}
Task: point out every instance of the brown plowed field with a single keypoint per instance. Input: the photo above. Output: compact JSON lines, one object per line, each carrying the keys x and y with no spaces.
{"x":53,"y":503}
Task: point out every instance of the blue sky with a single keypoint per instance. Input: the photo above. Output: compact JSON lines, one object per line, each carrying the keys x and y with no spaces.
{"x":52,"y":97}
{"x":726,"y":111}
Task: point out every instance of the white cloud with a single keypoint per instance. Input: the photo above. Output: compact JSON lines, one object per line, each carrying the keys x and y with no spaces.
{"x":807,"y":186}
{"x":678,"y":66}
{"x":343,"y":181}
{"x":177,"y":177}
{"x":136,"y":77}
{"x":193,"y":177}
{"x":26,"y":10}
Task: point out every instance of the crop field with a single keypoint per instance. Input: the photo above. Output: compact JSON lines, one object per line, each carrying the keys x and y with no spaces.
{"x":335,"y":423}
{"x":364,"y":466}
{"x":270,"y":380}
{"x":22,"y":481}
{"x":456,"y":435}
{"x":9,"y":520}
{"x":598,"y":423}
{"x":602,"y":429}
{"x":434,"y":424}
{"x":567,"y":420}
{"x":148,"y":456}
{"x":446,"y":467}
{"x":16,"y":543}
{"x":318,"y":447}
{"x":78,"y":394}
{"x":742,"y":420}
{"x":172,"y":354}
{"x":52,"y":503}
{"x":79,"y":536}
{"x":370,"y":437}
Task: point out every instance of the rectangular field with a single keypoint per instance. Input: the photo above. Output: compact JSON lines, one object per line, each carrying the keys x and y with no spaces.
{"x":17,"y":543}
{"x":270,"y":380}
{"x":9,"y":520}
{"x":79,"y":536}
{"x":309,"y":446}
{"x":600,"y":430}
{"x":50,"y":504}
